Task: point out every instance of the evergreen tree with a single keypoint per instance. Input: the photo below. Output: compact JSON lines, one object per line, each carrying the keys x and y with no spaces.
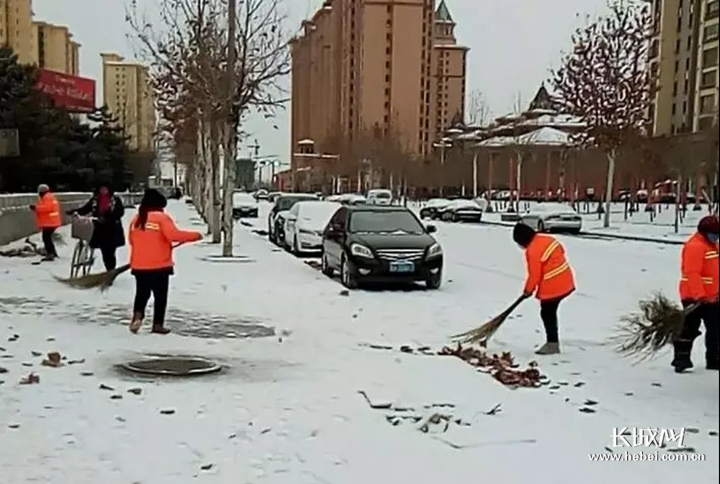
{"x":56,"y":148}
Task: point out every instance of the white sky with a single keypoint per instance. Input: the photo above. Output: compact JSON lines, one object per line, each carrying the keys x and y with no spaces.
{"x":514,"y":44}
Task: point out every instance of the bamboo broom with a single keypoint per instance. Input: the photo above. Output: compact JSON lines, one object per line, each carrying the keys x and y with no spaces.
{"x":657,"y":322}
{"x":482,"y":334}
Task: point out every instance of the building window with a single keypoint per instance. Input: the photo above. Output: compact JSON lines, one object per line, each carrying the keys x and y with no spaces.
{"x":710,"y":58}
{"x":708,"y":79}
{"x":707,"y":104}
{"x":674,"y":109}
{"x":710,"y":33}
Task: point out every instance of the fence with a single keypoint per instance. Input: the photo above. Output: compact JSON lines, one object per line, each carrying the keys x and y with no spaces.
{"x":17,"y":221}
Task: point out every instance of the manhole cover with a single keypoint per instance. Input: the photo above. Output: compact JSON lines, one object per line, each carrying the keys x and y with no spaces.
{"x":227,"y":260}
{"x":173,"y":366}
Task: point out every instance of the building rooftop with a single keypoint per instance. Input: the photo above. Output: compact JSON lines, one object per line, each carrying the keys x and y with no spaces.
{"x":442,"y":14}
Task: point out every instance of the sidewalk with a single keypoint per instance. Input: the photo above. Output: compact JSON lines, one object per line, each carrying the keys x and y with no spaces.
{"x":287,"y":410}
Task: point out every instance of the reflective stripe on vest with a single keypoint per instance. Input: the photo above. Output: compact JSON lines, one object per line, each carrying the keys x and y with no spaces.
{"x":711,"y":254}
{"x":549,"y":251}
{"x":705,"y":280}
{"x":556,"y":272}
{"x":54,"y":214}
{"x":152,"y":226}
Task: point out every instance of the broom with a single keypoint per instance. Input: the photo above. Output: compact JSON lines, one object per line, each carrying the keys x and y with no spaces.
{"x":657,"y":322}
{"x":101,"y":280}
{"x":482,"y":334}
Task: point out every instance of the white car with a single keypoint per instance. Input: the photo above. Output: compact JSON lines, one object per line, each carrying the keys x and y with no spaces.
{"x":379,"y":197}
{"x":432,"y":207}
{"x":553,"y":217}
{"x":305,"y":224}
{"x":460,"y":211}
{"x":244,"y":205}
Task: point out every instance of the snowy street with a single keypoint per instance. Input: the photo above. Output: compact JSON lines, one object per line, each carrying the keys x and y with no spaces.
{"x":299,"y":352}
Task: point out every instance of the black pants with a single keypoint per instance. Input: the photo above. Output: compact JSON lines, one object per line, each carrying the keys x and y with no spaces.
{"x":157,"y":284}
{"x":708,"y":315}
{"x":549,"y":316}
{"x":47,"y":239}
{"x":108,"y":257}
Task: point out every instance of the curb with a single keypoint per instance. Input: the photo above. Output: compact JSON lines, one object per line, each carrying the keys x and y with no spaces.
{"x":600,"y":235}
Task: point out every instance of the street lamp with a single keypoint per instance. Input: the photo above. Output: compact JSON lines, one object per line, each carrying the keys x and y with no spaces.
{"x":443,"y":145}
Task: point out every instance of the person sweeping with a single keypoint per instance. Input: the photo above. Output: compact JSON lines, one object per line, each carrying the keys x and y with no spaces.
{"x":699,"y":294}
{"x":549,"y":277}
{"x":151,"y":236}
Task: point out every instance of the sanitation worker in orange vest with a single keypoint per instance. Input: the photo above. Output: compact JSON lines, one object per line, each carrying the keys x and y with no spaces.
{"x":699,"y":289}
{"x":47,"y":218}
{"x":549,"y":277}
{"x":151,"y":236}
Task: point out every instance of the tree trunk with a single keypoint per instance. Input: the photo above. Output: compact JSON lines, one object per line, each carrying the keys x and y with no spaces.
{"x":609,"y":188}
{"x":229,"y":182}
{"x":216,"y":204}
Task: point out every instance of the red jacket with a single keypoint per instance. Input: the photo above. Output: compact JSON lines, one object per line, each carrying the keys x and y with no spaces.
{"x":47,"y":212}
{"x":549,"y":275}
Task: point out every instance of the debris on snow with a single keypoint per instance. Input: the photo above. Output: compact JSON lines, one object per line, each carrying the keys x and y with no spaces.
{"x":53,"y":360}
{"x":167,"y":411}
{"x":376,"y":404}
{"x":31,"y":379}
{"x":135,"y":391}
{"x":501,"y":367}
{"x":3,"y":370}
{"x":106,"y":387}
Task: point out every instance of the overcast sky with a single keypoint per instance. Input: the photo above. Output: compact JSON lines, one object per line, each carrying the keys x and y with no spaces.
{"x":514,"y":44}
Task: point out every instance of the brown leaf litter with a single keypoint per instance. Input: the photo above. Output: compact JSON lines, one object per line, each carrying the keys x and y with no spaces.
{"x":502,"y":367}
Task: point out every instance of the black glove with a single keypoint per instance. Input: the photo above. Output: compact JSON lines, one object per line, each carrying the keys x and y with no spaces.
{"x":32,"y":207}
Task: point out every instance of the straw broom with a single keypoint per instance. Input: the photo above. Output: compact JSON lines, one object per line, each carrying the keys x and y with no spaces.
{"x":101,"y":280}
{"x":657,"y":322}
{"x":482,"y":334}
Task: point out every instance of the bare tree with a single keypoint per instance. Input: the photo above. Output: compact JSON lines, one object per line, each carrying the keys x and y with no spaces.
{"x":477,"y":109}
{"x":216,"y":61}
{"x":606,"y":82}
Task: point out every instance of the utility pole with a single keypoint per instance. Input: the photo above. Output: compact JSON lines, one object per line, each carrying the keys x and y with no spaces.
{"x":255,"y":155}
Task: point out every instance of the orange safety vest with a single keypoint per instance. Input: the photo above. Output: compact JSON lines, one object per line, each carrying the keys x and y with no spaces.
{"x":549,"y":274}
{"x":47,"y":212}
{"x":699,"y":270}
{"x":151,"y":248}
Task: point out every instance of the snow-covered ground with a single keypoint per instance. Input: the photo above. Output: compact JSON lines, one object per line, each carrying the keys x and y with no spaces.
{"x":288,"y":411}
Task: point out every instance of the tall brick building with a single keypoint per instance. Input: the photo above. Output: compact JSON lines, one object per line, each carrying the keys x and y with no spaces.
{"x":391,"y":66}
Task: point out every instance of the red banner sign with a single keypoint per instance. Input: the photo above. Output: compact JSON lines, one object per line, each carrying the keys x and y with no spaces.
{"x":72,"y":93}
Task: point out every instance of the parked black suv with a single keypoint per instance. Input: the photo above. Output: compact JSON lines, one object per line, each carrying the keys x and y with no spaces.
{"x":276,"y":220}
{"x":368,"y":243}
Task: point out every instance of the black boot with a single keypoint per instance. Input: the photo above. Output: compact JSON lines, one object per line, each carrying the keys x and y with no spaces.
{"x":681,"y":361}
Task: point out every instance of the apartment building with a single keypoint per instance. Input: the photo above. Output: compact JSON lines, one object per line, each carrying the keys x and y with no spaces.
{"x":127,"y":93}
{"x":449,"y":64}
{"x":684,"y":60}
{"x":361,"y":67}
{"x":16,"y":29}
{"x":54,"y":48}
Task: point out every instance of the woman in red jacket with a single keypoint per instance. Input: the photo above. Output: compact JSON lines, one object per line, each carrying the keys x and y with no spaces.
{"x":151,"y":236}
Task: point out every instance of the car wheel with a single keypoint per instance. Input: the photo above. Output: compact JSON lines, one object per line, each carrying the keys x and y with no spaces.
{"x":455,"y":218}
{"x":434,"y":281}
{"x":271,"y":235}
{"x":347,"y":274}
{"x":541,"y":226}
{"x":325,"y":266}
{"x":296,"y":247}
{"x":574,"y":231}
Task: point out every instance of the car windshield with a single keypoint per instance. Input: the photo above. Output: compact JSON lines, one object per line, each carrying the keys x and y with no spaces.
{"x":381,"y":194}
{"x":286,"y":203}
{"x":554,"y":207}
{"x":385,"y":222}
{"x":465,"y":204}
{"x":318,"y":212}
{"x":243,"y":198}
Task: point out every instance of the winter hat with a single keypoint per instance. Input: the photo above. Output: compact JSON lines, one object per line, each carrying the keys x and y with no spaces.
{"x":153,"y":199}
{"x":43,"y":188}
{"x":523,"y":234}
{"x":709,"y":225}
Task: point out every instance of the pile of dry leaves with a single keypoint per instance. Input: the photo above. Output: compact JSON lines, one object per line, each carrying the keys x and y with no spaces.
{"x":502,"y":367}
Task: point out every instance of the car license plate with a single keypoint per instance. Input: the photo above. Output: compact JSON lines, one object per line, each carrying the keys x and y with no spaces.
{"x":402,"y":267}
